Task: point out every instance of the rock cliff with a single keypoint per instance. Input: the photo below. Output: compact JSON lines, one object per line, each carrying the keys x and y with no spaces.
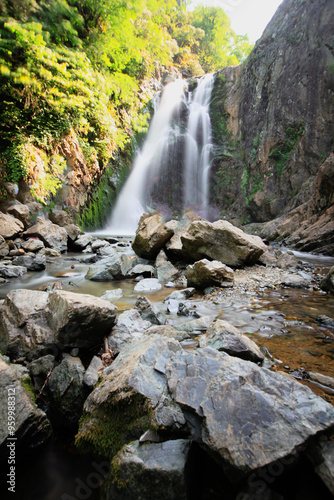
{"x":273,"y":124}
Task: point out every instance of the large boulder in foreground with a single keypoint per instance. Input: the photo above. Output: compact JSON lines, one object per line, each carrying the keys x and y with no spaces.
{"x":53,"y":236}
{"x":32,"y":428}
{"x":249,"y":416}
{"x":151,"y":235}
{"x":205,"y":273}
{"x":31,"y":322}
{"x":221,"y":241}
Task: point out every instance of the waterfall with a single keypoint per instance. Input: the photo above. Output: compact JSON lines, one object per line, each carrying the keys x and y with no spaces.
{"x":175,"y":158}
{"x":131,"y":202}
{"x":198,"y":147}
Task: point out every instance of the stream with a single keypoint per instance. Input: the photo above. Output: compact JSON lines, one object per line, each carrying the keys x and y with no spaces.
{"x":280,"y":320}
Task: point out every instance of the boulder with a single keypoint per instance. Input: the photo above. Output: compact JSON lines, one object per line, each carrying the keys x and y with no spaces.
{"x":67,"y":392}
{"x":83,"y":241}
{"x":322,"y":457}
{"x":32,"y":245}
{"x":151,"y":235}
{"x":222,"y":336}
{"x":286,"y":260}
{"x":32,"y":427}
{"x":221,"y":241}
{"x":144,"y":270}
{"x":31,"y":262}
{"x":181,"y":294}
{"x":73,"y":232}
{"x":249,"y":415}
{"x":174,"y":246}
{"x":10,"y":227}
{"x":60,"y":217}
{"x":193,"y":326}
{"x":112,"y":294}
{"x":130,"y":326}
{"x":4,"y":248}
{"x":150,"y":470}
{"x":206,"y":273}
{"x":149,"y":311}
{"x":291,"y":280}
{"x":97,"y":244}
{"x":327,"y":283}
{"x":31,"y":322}
{"x":111,"y":268}
{"x":148,"y":285}
{"x":165,"y":271}
{"x":92,"y":373}
{"x":20,"y":212}
{"x":53,"y":236}
{"x":131,"y":398}
{"x":9,"y":271}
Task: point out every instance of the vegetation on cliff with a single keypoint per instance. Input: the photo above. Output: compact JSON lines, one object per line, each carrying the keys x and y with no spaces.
{"x":83,"y":67}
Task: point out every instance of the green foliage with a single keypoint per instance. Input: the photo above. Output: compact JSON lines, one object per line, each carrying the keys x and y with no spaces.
{"x":13,"y":162}
{"x":282,"y":153}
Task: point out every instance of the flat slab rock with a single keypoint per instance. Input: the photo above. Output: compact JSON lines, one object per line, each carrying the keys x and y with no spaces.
{"x":249,"y":415}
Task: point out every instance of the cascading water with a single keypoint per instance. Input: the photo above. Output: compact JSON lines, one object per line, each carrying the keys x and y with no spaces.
{"x":174,"y":164}
{"x":131,"y":203}
{"x":198,"y":147}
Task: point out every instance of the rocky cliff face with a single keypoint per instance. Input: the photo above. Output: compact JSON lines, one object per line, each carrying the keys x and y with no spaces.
{"x":273,"y":122}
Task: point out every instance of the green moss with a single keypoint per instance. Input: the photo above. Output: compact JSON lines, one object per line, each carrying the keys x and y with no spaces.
{"x":29,"y":388}
{"x":281,"y":154}
{"x":114,"y":424}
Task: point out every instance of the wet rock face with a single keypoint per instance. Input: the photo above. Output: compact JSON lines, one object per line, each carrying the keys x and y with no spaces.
{"x":151,"y":235}
{"x":280,"y":107}
{"x":32,"y":428}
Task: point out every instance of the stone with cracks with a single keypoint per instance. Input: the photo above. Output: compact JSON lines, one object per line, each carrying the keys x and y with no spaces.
{"x":151,"y":470}
{"x":31,"y":262}
{"x":249,"y":416}
{"x":221,"y":241}
{"x":206,"y":273}
{"x":111,"y":268}
{"x":149,"y":311}
{"x":32,"y":245}
{"x":11,"y":271}
{"x":130,"y":326}
{"x":151,"y":235}
{"x":4,"y":248}
{"x":20,"y":212}
{"x":31,"y":322}
{"x":165,"y":271}
{"x":53,"y":236}
{"x":223,"y":336}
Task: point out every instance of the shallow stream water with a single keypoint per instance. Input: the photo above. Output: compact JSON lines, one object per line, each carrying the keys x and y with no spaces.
{"x":281,"y":320}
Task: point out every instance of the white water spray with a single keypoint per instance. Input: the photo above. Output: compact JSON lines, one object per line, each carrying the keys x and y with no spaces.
{"x":131,"y":202}
{"x":198,"y":147}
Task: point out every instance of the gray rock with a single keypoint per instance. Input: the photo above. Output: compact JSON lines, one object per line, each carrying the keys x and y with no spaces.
{"x":165,"y":271}
{"x":41,"y":366}
{"x":174,"y":245}
{"x":148,"y":285}
{"x":97,"y":244}
{"x":222,"y":241}
{"x":83,"y":241}
{"x":115,"y":267}
{"x":249,"y":415}
{"x":153,"y":470}
{"x":130,"y":326}
{"x":4,"y":248}
{"x":206,"y":273}
{"x":324,"y":463}
{"x":222,"y":336}
{"x":33,"y":321}
{"x":167,"y":331}
{"x":112,"y":294}
{"x":73,"y":232}
{"x":92,"y":373}
{"x":149,"y":311}
{"x":32,"y":245}
{"x":10,"y":227}
{"x":286,"y":260}
{"x":151,"y":235}
{"x":11,"y":271}
{"x":134,"y":386}
{"x":172,"y":306}
{"x":145,"y":270}
{"x":31,"y":262}
{"x":327,"y":283}
{"x":67,"y":392}
{"x":60,"y":217}
{"x":32,"y":427}
{"x":195,"y":325}
{"x":291,"y":280}
{"x":325,"y":320}
{"x":53,"y":236}
{"x":181,"y":294}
